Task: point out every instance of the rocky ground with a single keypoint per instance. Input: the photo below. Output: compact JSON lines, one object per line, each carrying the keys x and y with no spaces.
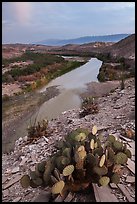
{"x":116,"y":115}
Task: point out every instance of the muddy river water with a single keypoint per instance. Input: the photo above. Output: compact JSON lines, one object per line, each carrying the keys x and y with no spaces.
{"x":70,"y":85}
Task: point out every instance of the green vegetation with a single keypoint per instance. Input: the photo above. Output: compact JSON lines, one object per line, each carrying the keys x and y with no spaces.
{"x":39,"y":61}
{"x":45,"y":67}
{"x":38,"y":58}
{"x":81,"y":159}
{"x":123,"y":71}
{"x":68,"y":66}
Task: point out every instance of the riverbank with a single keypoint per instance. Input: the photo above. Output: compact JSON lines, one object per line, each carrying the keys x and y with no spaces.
{"x":32,"y":71}
{"x":19,"y":109}
{"x":112,"y":118}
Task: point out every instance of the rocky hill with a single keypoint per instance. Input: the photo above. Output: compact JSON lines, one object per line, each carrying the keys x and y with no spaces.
{"x":85,"y":39}
{"x":124,"y":48}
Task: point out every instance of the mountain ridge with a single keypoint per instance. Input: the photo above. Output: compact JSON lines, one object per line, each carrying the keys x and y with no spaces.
{"x":84,"y":39}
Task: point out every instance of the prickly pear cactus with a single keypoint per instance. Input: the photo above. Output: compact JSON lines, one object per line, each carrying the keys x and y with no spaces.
{"x":81,"y":158}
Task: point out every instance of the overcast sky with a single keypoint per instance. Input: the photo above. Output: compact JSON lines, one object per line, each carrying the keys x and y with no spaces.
{"x":27,"y":22}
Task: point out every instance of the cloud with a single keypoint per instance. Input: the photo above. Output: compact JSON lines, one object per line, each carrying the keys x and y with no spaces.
{"x":26,"y":21}
{"x":22,"y":12}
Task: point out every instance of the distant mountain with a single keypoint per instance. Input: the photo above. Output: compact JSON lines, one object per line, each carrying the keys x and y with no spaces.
{"x":82,"y":40}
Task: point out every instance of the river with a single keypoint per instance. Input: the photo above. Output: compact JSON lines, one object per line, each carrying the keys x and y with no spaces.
{"x":70,"y":85}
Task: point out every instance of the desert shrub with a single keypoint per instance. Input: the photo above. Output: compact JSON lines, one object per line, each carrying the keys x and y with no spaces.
{"x":89,"y":106}
{"x":27,"y":78}
{"x":36,"y":131}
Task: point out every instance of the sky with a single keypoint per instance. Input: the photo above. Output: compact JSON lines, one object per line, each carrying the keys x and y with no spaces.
{"x":29,"y":22}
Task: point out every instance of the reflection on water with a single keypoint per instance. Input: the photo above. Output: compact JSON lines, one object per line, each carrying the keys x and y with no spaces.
{"x":71,"y":85}
{"x":64,"y":101}
{"x":79,"y":77}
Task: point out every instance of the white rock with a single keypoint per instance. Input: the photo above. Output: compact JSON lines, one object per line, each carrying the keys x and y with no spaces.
{"x":17,"y":199}
{"x":130,"y":179}
{"x":24,"y":159}
{"x":5,"y":193}
{"x":15,"y":170}
{"x":20,"y":139}
{"x":113,"y":185}
{"x":25,"y":138}
{"x":46,"y":139}
{"x":31,"y":147}
{"x":4,"y":179}
{"x":8,"y":171}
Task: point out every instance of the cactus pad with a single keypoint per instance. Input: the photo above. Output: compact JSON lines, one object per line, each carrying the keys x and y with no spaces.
{"x":94,"y":130}
{"x":81,"y":154}
{"x":118,"y":145}
{"x":80,"y":137}
{"x":128,"y":153}
{"x":115,"y":178}
{"x":95,"y":145}
{"x":120,"y":158}
{"x":58,"y":187}
{"x":68,"y":170}
{"x":56,"y":173}
{"x":62,"y":162}
{"x":103,"y":181}
{"x":100,"y":170}
{"x":91,"y":159}
{"x":53,"y":179}
{"x":102,"y":160}
{"x":111,"y":153}
{"x":41,"y":166}
{"x":38,"y":181}
{"x":111,"y":138}
{"x":98,"y":151}
{"x":92,"y":144}
{"x":67,"y":152}
{"x":81,"y":148}
{"x":25,"y":181}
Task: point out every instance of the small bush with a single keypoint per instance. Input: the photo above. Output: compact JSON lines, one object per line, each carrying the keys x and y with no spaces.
{"x":89,"y":106}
